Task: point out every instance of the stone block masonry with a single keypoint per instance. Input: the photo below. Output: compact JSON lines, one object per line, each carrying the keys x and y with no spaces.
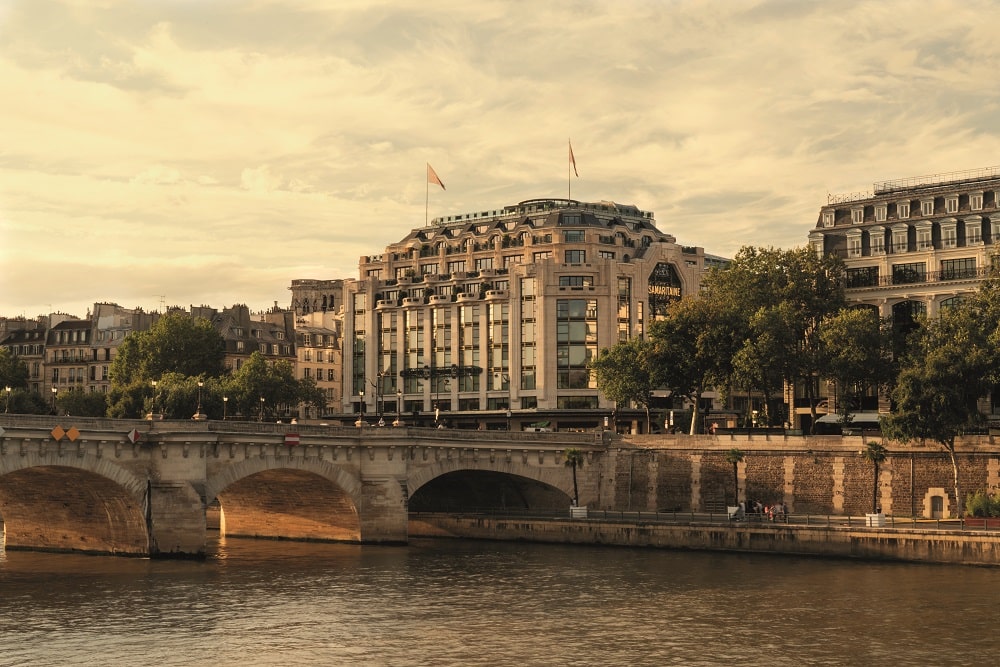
{"x":811,"y":475}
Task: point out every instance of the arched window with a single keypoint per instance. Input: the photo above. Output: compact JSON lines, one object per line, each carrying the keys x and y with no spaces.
{"x":951,"y":303}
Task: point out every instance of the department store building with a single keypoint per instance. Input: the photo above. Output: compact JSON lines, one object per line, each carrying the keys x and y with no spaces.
{"x":488,"y":319}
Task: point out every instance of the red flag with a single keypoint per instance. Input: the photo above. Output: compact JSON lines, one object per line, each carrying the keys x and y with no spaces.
{"x":572,"y":160}
{"x":432,"y":176}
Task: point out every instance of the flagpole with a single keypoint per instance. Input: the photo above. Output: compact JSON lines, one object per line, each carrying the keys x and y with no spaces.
{"x":427,"y":198}
{"x":569,"y":180}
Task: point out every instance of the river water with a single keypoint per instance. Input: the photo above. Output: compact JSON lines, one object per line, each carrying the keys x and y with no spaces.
{"x":445,"y":602}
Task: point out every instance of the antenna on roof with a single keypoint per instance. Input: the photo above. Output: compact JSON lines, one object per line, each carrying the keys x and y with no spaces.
{"x":162,"y":301}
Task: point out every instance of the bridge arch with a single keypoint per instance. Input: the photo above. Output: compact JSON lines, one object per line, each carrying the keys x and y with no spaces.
{"x":507,"y":484}
{"x":287,"y":499}
{"x":79,"y":503}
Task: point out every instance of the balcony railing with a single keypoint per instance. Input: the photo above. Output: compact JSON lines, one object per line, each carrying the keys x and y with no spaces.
{"x":906,"y":278}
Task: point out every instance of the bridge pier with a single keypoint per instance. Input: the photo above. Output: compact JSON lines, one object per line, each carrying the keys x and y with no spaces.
{"x":383,"y":512}
{"x":175,"y":519}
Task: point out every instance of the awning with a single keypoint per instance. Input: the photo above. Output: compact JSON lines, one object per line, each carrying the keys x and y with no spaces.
{"x":540,"y":425}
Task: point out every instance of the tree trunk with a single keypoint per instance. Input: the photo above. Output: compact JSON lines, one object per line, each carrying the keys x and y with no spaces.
{"x":736,"y":484}
{"x":694,"y":414}
{"x":959,"y":505}
{"x":875,"y":491}
{"x":812,"y":406}
{"x":576,"y":493}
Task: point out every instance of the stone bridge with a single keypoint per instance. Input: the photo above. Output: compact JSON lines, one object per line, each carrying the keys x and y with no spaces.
{"x":142,"y":488}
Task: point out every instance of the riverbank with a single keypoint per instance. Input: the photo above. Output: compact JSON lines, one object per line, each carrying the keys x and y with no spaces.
{"x":893,"y":544}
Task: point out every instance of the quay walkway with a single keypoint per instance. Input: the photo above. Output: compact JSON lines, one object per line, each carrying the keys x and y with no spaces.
{"x":966,"y":542}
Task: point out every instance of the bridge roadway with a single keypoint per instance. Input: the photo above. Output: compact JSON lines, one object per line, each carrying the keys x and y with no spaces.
{"x":144,"y":488}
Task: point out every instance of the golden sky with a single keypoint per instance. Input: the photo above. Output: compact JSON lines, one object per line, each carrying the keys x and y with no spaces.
{"x":208,"y":152}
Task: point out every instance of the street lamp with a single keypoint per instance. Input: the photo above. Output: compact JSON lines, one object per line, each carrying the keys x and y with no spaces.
{"x":197,"y":415}
{"x":7,"y":407}
{"x":261,"y":408}
{"x":225,"y":407}
{"x":505,"y":380}
{"x":399,"y":406}
{"x":152,"y":412}
{"x":361,"y":409}
{"x":54,"y":392}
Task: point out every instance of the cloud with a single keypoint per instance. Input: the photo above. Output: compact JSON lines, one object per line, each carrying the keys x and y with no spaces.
{"x":211,"y":139}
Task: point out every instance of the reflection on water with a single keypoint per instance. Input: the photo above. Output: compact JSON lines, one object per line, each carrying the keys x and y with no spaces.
{"x":485,"y":603}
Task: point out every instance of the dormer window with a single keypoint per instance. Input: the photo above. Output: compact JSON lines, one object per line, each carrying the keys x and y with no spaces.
{"x":828,"y":218}
{"x":927,"y":207}
{"x":951,"y":204}
{"x":903,"y":210}
{"x":976,"y":201}
{"x":880,"y":212}
{"x":857,"y":215}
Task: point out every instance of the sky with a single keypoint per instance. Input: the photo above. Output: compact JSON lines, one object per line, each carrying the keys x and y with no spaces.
{"x":195,"y":152}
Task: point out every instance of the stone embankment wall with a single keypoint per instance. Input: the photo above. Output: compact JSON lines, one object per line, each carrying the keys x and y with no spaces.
{"x":927,"y":546}
{"x":811,"y":475}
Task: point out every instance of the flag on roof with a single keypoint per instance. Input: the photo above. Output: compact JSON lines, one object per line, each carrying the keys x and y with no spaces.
{"x":572,"y":160}
{"x":432,"y":176}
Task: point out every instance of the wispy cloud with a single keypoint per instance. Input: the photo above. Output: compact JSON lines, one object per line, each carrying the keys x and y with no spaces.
{"x":214,"y":151}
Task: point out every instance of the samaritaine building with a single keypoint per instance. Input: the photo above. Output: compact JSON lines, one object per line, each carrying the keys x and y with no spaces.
{"x":488,"y":319}
{"x":915,"y":245}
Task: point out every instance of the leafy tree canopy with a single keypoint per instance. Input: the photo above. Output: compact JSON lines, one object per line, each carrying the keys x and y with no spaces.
{"x":176,"y":343}
{"x":13,"y":371}
{"x":856,"y":353}
{"x":624,"y":373}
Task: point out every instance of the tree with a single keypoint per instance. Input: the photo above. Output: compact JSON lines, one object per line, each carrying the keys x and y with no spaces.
{"x":128,"y":401}
{"x":774,"y":301}
{"x":857,"y":349}
{"x":13,"y":371}
{"x":81,"y":403}
{"x":693,"y":347}
{"x":176,"y":343}
{"x":761,"y":363}
{"x":261,"y":388}
{"x":875,"y":454}
{"x":574,"y":459}
{"x":625,"y":375}
{"x":948,"y":368}
{"x":310,"y":394}
{"x":734,"y":456}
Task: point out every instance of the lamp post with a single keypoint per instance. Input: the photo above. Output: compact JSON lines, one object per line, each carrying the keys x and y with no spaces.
{"x":7,"y":407}
{"x":399,"y":406}
{"x":225,"y":407}
{"x":54,"y":392}
{"x":197,"y":415}
{"x":262,"y":408}
{"x":505,"y":380}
